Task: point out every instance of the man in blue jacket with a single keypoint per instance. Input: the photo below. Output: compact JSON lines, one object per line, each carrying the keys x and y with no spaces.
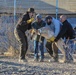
{"x":55,"y":27}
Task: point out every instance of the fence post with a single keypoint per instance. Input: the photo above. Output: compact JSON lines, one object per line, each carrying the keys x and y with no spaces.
{"x":14,"y":11}
{"x":56,"y":9}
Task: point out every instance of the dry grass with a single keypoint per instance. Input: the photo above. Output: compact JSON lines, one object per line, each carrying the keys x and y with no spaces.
{"x":11,"y":52}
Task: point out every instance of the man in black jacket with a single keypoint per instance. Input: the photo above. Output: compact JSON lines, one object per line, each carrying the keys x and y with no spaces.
{"x":23,"y":25}
{"x":66,"y":31}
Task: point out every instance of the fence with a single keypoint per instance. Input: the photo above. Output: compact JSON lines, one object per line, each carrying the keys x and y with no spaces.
{"x":7,"y":38}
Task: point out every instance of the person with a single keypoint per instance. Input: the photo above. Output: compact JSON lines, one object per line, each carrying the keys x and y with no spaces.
{"x":22,"y":26}
{"x":67,"y":32}
{"x":75,"y":32}
{"x":38,"y":41}
{"x":54,"y":25}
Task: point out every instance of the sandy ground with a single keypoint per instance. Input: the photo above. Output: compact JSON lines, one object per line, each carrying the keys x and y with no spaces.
{"x":11,"y":66}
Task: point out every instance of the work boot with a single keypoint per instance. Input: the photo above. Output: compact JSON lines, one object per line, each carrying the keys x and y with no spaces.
{"x":70,"y":57}
{"x":22,"y":60}
{"x":41,"y":60}
{"x":55,"y":59}
{"x":35,"y":59}
{"x":64,"y":60}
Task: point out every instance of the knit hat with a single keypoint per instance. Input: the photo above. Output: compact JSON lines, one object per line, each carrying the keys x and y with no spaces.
{"x":48,"y":17}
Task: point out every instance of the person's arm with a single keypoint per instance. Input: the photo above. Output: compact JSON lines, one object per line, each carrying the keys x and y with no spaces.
{"x":34,"y":25}
{"x":44,"y":24}
{"x":25,"y":21}
{"x":57,"y":28}
{"x":61,"y":33}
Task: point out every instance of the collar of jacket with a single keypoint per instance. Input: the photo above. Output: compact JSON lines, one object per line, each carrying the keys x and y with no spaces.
{"x":65,"y":21}
{"x":39,"y":22}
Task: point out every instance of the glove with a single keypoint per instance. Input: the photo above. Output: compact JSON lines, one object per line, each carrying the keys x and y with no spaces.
{"x":51,"y":39}
{"x":30,"y":20}
{"x":56,"y":40}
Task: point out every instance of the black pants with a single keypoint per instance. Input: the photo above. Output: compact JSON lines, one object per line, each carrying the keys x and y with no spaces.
{"x":52,"y":50}
{"x":22,"y":38}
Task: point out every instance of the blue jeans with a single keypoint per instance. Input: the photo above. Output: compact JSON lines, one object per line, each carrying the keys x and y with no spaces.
{"x":69,"y":49}
{"x":37,"y":46}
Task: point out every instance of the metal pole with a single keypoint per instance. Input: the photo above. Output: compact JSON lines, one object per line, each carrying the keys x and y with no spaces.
{"x":14,"y":19}
{"x":14,"y":11}
{"x":56,"y":9}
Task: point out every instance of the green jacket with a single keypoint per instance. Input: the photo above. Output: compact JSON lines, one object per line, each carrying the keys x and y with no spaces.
{"x":37,"y":25}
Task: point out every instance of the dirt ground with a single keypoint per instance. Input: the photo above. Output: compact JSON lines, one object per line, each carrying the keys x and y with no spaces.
{"x":11,"y":66}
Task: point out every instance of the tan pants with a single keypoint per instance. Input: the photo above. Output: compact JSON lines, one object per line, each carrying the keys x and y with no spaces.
{"x":60,"y":44}
{"x":52,"y":50}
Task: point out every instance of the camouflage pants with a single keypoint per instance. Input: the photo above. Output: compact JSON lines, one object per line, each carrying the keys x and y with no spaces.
{"x":60,"y":44}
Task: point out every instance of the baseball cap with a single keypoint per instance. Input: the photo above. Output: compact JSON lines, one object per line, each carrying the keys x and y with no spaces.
{"x":38,"y":16}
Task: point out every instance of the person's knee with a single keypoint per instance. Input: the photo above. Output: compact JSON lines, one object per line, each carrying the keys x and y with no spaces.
{"x":48,"y":45}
